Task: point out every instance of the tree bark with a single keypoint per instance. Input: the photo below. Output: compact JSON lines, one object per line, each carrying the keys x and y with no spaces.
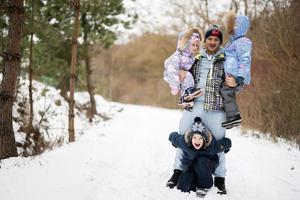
{"x":234,"y":5}
{"x":76,"y":4}
{"x":92,"y":110}
{"x":206,"y":10}
{"x":255,"y":9}
{"x":90,"y":87}
{"x":246,"y":7}
{"x":110,"y":78}
{"x":30,"y":123}
{"x":12,"y":63}
{"x":1,"y":50}
{"x":2,"y":6}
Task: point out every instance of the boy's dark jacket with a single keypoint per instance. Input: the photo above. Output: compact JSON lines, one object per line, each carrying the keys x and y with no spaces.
{"x":191,"y":153}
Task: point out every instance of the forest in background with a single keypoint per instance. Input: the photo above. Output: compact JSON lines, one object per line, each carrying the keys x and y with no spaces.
{"x":50,"y":41}
{"x":70,"y":46}
{"x":133,"y":73}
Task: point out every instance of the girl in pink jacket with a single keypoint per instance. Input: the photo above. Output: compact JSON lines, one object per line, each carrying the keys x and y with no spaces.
{"x":180,"y":62}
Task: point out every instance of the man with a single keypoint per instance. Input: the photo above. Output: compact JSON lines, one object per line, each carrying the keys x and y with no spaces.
{"x":208,"y":73}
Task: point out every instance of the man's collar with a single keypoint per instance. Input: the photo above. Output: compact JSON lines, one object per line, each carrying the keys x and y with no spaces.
{"x":220,"y":52}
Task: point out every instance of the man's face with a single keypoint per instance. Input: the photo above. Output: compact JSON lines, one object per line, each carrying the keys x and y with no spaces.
{"x":212,"y":44}
{"x":197,"y":141}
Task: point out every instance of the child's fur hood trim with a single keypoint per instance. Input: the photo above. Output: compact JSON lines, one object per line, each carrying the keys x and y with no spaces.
{"x":183,"y":40}
{"x":230,"y":22}
{"x":189,"y":133}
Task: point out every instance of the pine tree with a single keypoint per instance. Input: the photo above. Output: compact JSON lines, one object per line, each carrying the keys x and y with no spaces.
{"x":97,"y":19}
{"x":12,"y":63}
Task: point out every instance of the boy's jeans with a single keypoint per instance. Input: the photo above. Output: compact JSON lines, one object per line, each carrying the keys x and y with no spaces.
{"x":212,"y":120}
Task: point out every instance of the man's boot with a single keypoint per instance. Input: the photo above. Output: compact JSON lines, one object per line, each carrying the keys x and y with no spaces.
{"x":220,"y":184}
{"x":172,"y":182}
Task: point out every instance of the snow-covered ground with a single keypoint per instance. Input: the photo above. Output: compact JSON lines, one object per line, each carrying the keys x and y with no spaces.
{"x":129,"y":157}
{"x":51,"y":113}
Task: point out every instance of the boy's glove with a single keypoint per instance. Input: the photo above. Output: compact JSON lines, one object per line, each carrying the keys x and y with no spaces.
{"x":240,"y":80}
{"x":174,"y":145}
{"x":224,"y":145}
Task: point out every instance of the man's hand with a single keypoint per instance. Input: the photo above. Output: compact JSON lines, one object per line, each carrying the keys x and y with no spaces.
{"x":182,"y":75}
{"x":230,"y":81}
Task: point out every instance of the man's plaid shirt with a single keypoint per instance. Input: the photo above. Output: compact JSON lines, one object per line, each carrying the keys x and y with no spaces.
{"x":213,"y":98}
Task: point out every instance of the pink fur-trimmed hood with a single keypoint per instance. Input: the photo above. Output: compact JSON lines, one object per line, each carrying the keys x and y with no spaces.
{"x":185,"y":38}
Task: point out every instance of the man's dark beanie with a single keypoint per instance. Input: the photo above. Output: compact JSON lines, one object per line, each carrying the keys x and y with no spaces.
{"x":214,"y":31}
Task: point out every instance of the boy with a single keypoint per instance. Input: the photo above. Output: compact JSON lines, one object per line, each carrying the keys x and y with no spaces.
{"x":200,"y":157}
{"x":237,"y":67}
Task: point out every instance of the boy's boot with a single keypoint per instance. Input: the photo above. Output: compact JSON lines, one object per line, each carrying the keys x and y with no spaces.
{"x":187,"y":99}
{"x":186,"y":104}
{"x":220,"y":184}
{"x":172,"y":182}
{"x":189,"y":107}
{"x":201,"y":192}
{"x":232,"y":122}
{"x":191,"y":93}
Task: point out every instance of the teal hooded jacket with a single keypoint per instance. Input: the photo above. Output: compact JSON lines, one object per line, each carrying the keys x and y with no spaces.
{"x":238,"y":51}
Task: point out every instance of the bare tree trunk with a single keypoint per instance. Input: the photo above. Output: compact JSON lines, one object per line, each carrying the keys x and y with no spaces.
{"x":234,"y":5}
{"x":90,"y":87}
{"x":2,"y":5}
{"x":31,"y":131}
{"x":206,"y":10}
{"x":111,"y":77}
{"x":76,"y":4}
{"x":255,"y":9}
{"x":12,"y":63}
{"x":246,"y":7}
{"x":1,"y":50}
{"x":64,"y":87}
{"x":30,"y":70}
{"x":92,"y":110}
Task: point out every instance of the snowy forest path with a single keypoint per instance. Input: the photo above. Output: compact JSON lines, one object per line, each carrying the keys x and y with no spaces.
{"x":130,"y":157}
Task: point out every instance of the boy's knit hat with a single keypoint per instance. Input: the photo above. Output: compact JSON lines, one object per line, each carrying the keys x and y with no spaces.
{"x":197,"y":128}
{"x":214,"y":31}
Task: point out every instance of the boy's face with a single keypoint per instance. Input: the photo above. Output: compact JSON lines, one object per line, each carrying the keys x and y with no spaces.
{"x":197,"y":141}
{"x":194,"y":47}
{"x":212,"y":44}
